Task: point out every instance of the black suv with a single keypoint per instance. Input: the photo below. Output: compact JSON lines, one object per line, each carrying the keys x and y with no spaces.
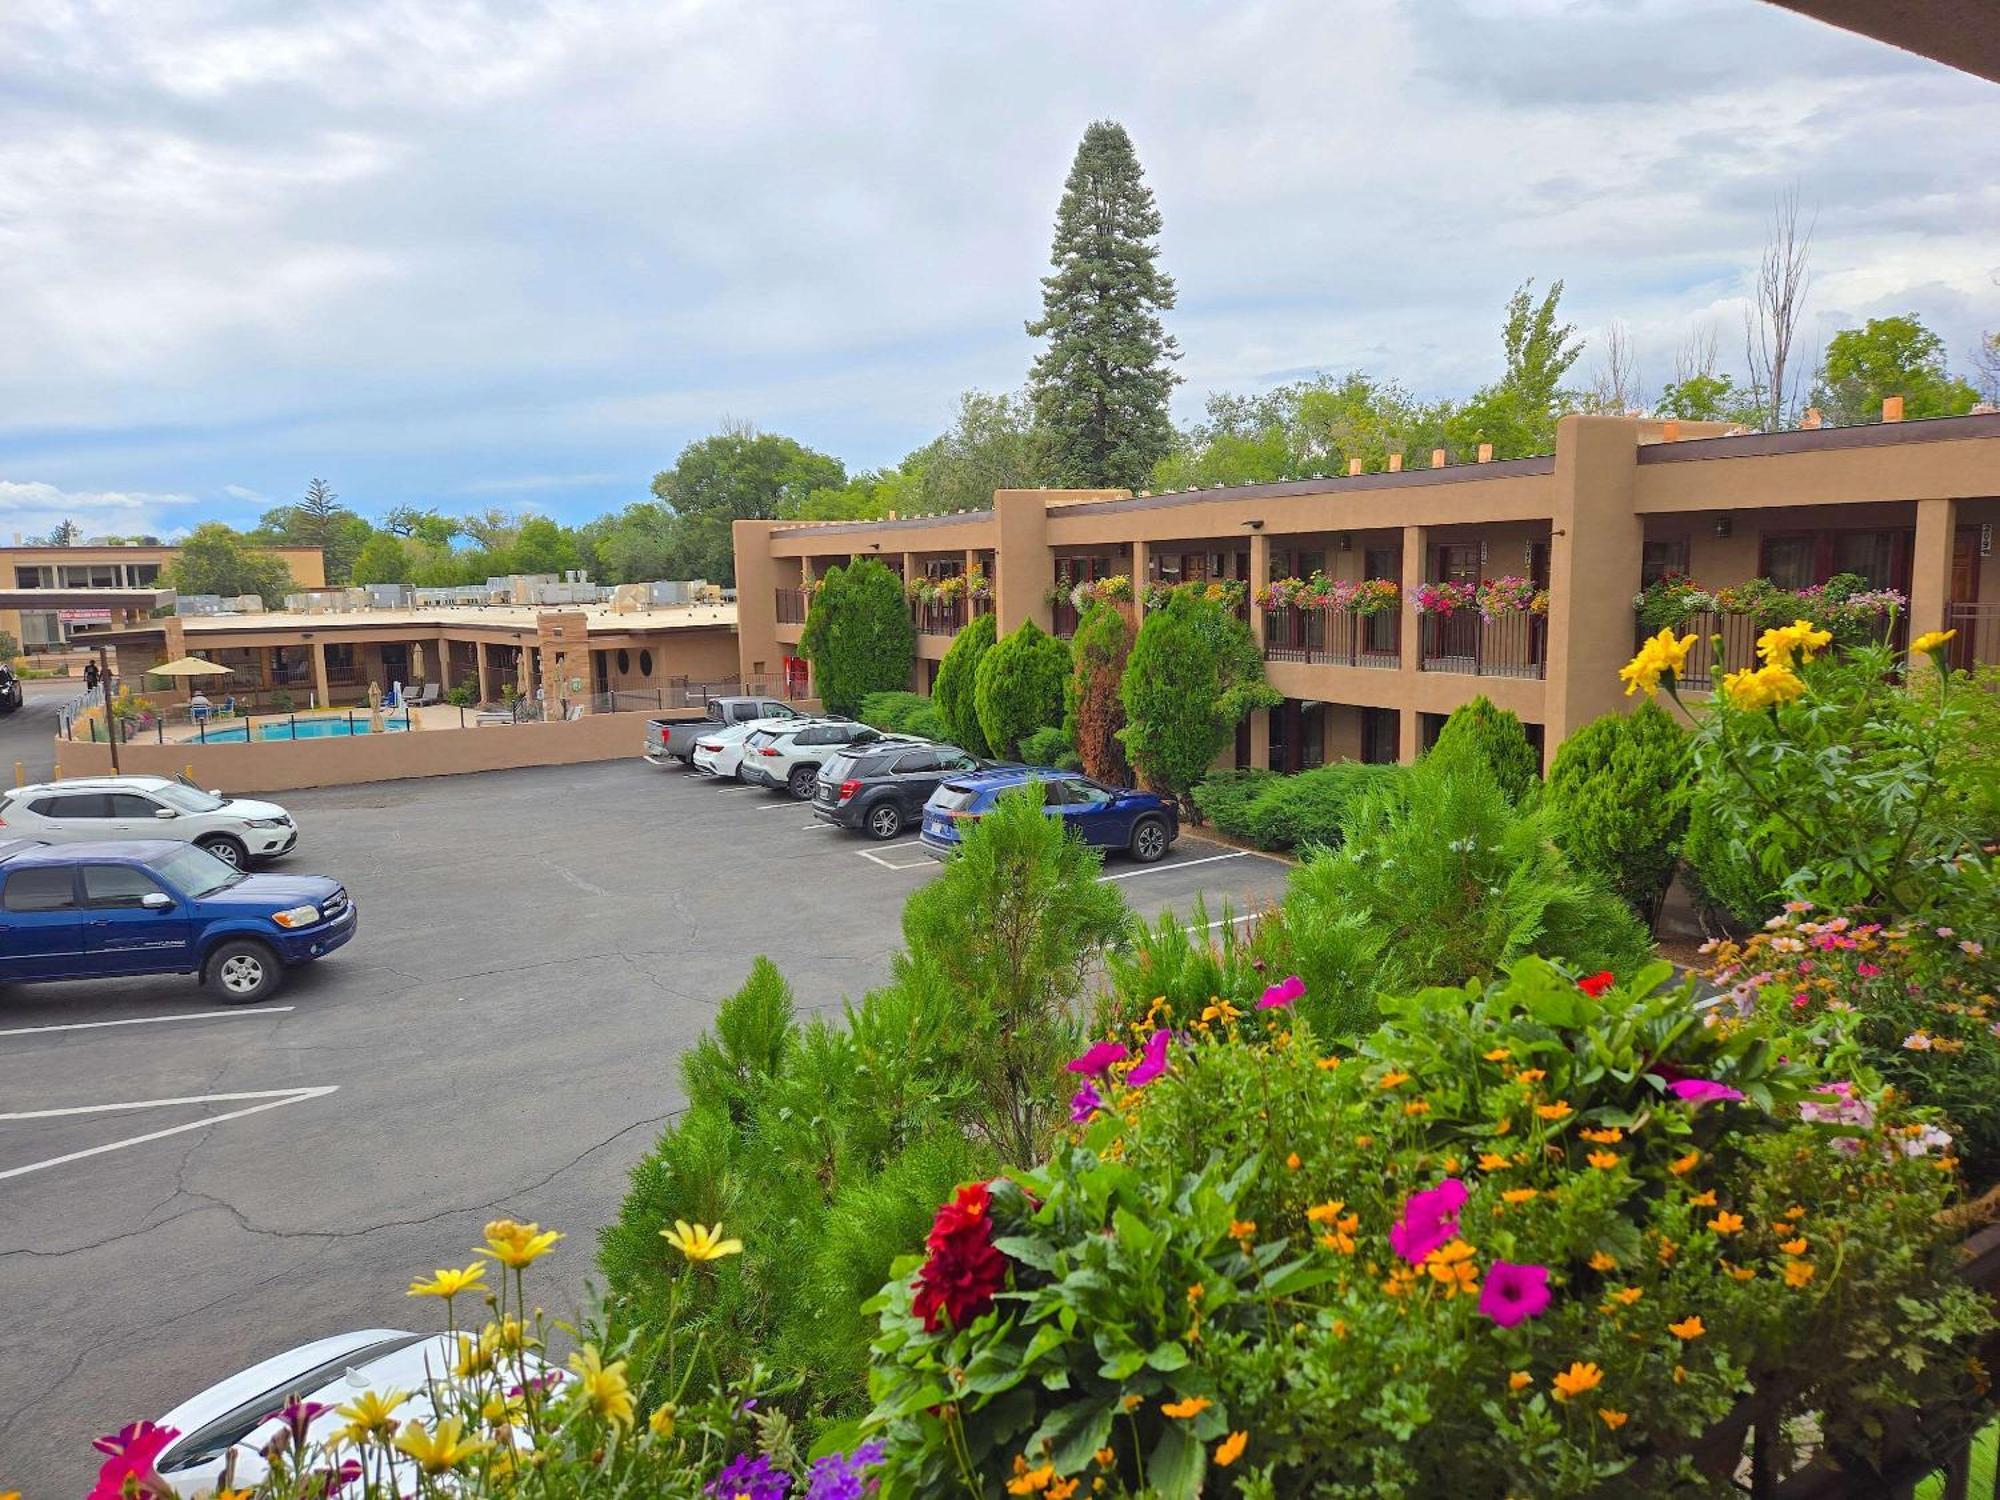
{"x":882,"y":788}
{"x":10,"y":690}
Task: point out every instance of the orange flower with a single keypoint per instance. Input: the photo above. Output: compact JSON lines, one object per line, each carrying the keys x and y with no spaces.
{"x":1230,"y":1449}
{"x":1741,"y":1273}
{"x":1556,"y":1111}
{"x":1799,"y":1272}
{"x":1520,"y":1195}
{"x":1612,"y":1419}
{"x":1726,"y":1222}
{"x":1104,"y":1457}
{"x":1688,"y":1328}
{"x":1363,"y":1141}
{"x":1505,"y":1127}
{"x":1519,"y":1380}
{"x":1577,"y":1379}
{"x":1451,"y":1266}
{"x":1627,"y":1295}
{"x":1390,"y":1079}
{"x":1794,"y":1247}
{"x":1599,"y":1261}
{"x":1327,"y":1063}
{"x":1530,"y":1075}
{"x":1493,"y":1161}
{"x":1609,"y":1136}
{"x":1680,"y":1166}
{"x":1417,"y":1107}
{"x":1027,"y":1481}
{"x":1192,"y":1406}
{"x":1604,"y":1161}
{"x":1498,"y":1054}
{"x":1703,"y":1200}
{"x":1134,"y":1401}
{"x":1794,"y":1212}
{"x":1325,"y":1213}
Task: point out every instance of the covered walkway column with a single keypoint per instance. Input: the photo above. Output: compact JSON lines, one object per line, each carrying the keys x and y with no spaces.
{"x":485,"y":672}
{"x":1930,"y":565}
{"x":1260,"y":574}
{"x":1141,"y":560}
{"x":324,"y":693}
{"x":1416,"y":543}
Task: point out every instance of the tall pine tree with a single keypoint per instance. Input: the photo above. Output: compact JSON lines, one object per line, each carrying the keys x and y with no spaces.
{"x":1101,"y":386}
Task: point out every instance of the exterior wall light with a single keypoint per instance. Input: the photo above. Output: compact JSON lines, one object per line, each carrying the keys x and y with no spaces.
{"x":1724,"y":525}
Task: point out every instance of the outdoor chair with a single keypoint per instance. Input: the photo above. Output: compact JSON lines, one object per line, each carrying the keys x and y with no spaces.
{"x":429,"y":693}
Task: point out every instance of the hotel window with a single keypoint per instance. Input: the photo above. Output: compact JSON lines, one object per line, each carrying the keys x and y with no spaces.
{"x":1872,"y":554}
{"x":1788,"y":561}
{"x":1662,"y":559}
{"x":1458,"y":563}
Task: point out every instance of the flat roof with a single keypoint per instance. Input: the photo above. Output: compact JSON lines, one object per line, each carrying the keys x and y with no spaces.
{"x":601,"y":619}
{"x":81,"y":597}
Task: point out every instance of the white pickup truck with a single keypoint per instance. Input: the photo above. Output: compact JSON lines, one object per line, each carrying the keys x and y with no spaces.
{"x":674,"y":739}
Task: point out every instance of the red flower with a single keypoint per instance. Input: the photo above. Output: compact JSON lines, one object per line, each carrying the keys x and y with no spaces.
{"x":1597,"y":984}
{"x":133,"y":1449}
{"x":963,"y":1270}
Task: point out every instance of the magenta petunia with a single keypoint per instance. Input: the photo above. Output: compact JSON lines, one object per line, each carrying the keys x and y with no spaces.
{"x":1084,"y":1103}
{"x":1152,"y":1062}
{"x":1514,"y":1293}
{"x":1430,"y":1219}
{"x":1098,"y":1060}
{"x":1703,"y":1090}
{"x":129,"y":1470}
{"x":1283,"y":993}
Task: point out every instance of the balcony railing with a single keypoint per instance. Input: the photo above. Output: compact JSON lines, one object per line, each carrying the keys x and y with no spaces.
{"x":1063,"y":618}
{"x":1334,"y":637}
{"x":937,"y":616}
{"x":1977,"y":643}
{"x":1726,"y":641}
{"x":1465,"y":641}
{"x":792,"y":606}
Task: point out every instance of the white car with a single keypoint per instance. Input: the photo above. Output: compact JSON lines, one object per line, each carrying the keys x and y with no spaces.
{"x":787,"y":757}
{"x":239,"y":1414}
{"x":89,"y":809}
{"x":720,"y":752}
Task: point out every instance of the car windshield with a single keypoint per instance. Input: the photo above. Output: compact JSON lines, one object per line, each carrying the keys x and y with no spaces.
{"x":196,"y":872}
{"x":758,"y":737}
{"x":186,"y":798}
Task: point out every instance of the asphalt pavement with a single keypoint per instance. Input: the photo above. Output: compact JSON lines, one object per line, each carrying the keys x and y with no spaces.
{"x":186,"y":1189}
{"x":28,"y":734}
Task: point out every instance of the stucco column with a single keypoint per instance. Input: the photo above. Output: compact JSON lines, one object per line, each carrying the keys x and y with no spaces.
{"x":1416,"y":544}
{"x":1596,"y":547}
{"x":909,"y":568}
{"x":1930,"y":565}
{"x":485,"y":671}
{"x":758,"y":653}
{"x":325,"y":694}
{"x":1260,"y":574}
{"x":1022,"y":560}
{"x":1141,"y":560}
{"x":971,"y":559}
{"x":1260,"y":737}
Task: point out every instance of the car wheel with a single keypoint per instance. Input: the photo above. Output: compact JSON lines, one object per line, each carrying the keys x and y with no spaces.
{"x":226,"y":849}
{"x":800,"y":783}
{"x":243,"y":971}
{"x":1149,"y":841}
{"x":885,"y":820}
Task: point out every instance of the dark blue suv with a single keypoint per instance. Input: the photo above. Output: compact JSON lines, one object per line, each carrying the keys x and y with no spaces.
{"x":1140,"y":823}
{"x":152,"y":906}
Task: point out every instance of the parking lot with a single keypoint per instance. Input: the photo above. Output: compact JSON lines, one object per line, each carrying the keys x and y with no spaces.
{"x":185,"y":1188}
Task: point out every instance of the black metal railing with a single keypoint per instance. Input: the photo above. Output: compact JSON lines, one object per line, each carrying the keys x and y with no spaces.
{"x":1465,"y":641}
{"x":937,"y":616}
{"x":1334,"y":637}
{"x":1977,"y":643}
{"x":1062,"y":619}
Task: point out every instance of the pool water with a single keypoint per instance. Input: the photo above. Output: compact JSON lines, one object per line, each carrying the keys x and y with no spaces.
{"x":303,"y":729}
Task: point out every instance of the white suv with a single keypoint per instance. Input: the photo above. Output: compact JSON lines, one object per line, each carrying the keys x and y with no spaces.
{"x":789,"y":756}
{"x":234,"y":830}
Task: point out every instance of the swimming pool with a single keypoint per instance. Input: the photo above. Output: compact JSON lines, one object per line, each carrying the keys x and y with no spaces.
{"x":298,"y":729}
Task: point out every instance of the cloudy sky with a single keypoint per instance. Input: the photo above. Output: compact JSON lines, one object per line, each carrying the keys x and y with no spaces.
{"x":471,"y":252}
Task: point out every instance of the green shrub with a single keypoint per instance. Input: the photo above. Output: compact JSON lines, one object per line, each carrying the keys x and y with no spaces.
{"x":1496,"y":736}
{"x":902,"y":713}
{"x":1019,"y":688}
{"x":858,"y":635}
{"x":1093,"y":712}
{"x":463,"y":694}
{"x":958,"y":676}
{"x":1617,"y":803}
{"x":1287,"y":812}
{"x":1193,"y":674}
{"x":1049,"y":747}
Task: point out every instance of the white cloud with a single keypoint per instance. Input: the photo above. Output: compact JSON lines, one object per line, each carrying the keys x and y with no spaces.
{"x":33,"y":508}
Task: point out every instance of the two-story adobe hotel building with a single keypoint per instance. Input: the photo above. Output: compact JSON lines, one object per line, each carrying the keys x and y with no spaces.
{"x":1908,"y":505}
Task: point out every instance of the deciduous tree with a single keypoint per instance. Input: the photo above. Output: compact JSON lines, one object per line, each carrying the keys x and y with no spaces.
{"x":734,"y":475}
{"x":1894,"y":356}
{"x":382,"y":559}
{"x":216,"y":560}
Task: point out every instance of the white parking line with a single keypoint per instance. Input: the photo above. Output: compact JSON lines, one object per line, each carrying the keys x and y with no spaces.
{"x":819,"y":828}
{"x":792,"y":802}
{"x":870,"y":855}
{"x":1224,"y":922}
{"x":199,"y":1015}
{"x":272,"y":1099}
{"x":1186,"y":864}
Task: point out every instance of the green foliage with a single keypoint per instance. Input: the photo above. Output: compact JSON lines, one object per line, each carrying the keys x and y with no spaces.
{"x":733,"y":475}
{"x":858,"y":635}
{"x":1494,"y":735}
{"x":953,"y":694}
{"x":1704,"y":396}
{"x":902,"y":713}
{"x":463,"y":694}
{"x":1517,"y":414}
{"x":1439,"y":878}
{"x":1306,"y":428}
{"x":1100,"y":386}
{"x":1185,"y":958}
{"x":1617,"y":804}
{"x":1166,"y":1255}
{"x":382,"y":560}
{"x":992,"y":444}
{"x":1012,"y":925}
{"x":1093,"y":713}
{"x":1018,"y":688}
{"x":1194,"y":673}
{"x":9,"y":646}
{"x":544,"y":547}
{"x":1050,"y":746}
{"x":317,"y":520}
{"x":1287,"y":812}
{"x":1895,"y":356}
{"x":213,"y":559}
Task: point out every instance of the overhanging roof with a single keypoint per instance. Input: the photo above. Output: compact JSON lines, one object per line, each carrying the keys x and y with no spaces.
{"x":85,"y":598}
{"x":1960,"y":33}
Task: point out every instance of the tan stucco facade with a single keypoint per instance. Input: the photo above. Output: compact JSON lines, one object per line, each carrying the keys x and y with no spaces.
{"x":1584,"y":520}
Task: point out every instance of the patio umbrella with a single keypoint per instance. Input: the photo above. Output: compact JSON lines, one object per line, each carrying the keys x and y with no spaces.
{"x":417,"y":661}
{"x":190,"y":666}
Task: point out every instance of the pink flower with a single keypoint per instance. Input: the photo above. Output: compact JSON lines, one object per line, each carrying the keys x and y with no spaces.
{"x":1282,"y":994}
{"x":1702,"y":1090}
{"x":1945,"y":932}
{"x":1867,"y":970}
{"x":1084,"y":1103}
{"x":1152,"y":1062}
{"x":1514,"y":1293}
{"x":1430,"y":1219}
{"x":1098,"y":1060}
{"x":129,"y":1470}
{"x":1970,"y":948}
{"x":1597,"y":984}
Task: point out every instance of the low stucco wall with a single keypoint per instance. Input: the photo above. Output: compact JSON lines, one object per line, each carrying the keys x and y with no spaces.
{"x":282,"y":765}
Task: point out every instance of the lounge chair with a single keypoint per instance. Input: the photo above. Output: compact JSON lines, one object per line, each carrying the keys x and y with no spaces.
{"x":429,"y":693}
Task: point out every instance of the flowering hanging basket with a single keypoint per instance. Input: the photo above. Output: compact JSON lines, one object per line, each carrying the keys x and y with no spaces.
{"x":1509,"y":595}
{"x":1442,"y":598}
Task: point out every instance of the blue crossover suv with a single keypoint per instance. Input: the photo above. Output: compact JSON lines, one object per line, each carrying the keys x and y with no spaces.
{"x":151,"y":906}
{"x":1143,"y":825}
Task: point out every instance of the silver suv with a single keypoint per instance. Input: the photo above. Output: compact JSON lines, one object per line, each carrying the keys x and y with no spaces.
{"x":233,"y":829}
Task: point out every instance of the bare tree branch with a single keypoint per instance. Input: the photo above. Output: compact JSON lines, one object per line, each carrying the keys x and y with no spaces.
{"x":1770,"y":328}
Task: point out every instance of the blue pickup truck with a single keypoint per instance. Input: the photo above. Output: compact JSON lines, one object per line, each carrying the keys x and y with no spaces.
{"x":155,"y":906}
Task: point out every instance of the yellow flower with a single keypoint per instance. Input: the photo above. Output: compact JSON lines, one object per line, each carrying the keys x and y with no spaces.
{"x":1521,"y":1195}
{"x":1530,"y":1075}
{"x":1726,"y":1222}
{"x":1610,"y":1136}
{"x":1327,"y":1063}
{"x":1104,"y":1457}
{"x":1680,"y":1166}
{"x":1451,"y":1266}
{"x":371,"y":1415}
{"x":1193,"y":1406}
{"x":1659,"y":655}
{"x":448,"y":1283}
{"x":1763,"y":687}
{"x":475,"y":1355}
{"x":1688,"y":1328}
{"x":1798,"y":1272}
{"x":1577,"y":1379}
{"x":1930,"y":641}
{"x":1799,"y":639}
{"x":1627,"y":1295}
{"x":1599,"y":1261}
{"x":1519,"y":1380}
{"x":1604,"y":1161}
{"x":699,"y":1243}
{"x":518,"y":1245}
{"x":1556,"y":1111}
{"x":1417,"y":1107}
{"x":1230,"y":1449}
{"x":442,"y":1450}
{"x":603,"y":1388}
{"x":1794,"y":1247}
{"x":1612,"y":1419}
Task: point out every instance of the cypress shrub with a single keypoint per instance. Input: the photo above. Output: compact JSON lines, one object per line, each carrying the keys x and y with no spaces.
{"x":1193,"y":674}
{"x":1617,"y":805}
{"x":858,"y":636}
{"x":958,"y":675}
{"x":1094,"y":712}
{"x":1019,"y":688}
{"x":1496,"y":736}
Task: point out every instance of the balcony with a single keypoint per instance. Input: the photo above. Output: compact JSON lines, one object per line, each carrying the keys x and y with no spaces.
{"x":1062,"y":619}
{"x":1334,"y":637}
{"x":1977,"y":643}
{"x":792,"y":606}
{"x":938,"y":616}
{"x":1466,"y":642}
